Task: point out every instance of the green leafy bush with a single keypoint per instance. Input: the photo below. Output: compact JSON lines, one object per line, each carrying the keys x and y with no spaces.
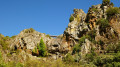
{"x":90,"y":56}
{"x":91,"y":34}
{"x":113,"y":47}
{"x":4,"y":43}
{"x":112,"y":11}
{"x":103,"y":24}
{"x":106,"y":2}
{"x":94,"y":9}
{"x":31,"y":30}
{"x":69,"y":58}
{"x":71,"y":19}
{"x":111,"y":4}
{"x":48,"y":36}
{"x":42,"y":48}
{"x":76,"y":48}
{"x":35,"y":50}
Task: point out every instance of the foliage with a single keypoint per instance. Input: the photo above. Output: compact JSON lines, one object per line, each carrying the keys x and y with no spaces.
{"x":91,"y":34}
{"x":82,"y":40}
{"x":106,"y":2}
{"x":90,"y":56}
{"x":101,"y":42}
{"x":94,"y":9}
{"x":77,"y":47}
{"x":111,"y":4}
{"x":35,"y":50}
{"x":71,"y":19}
{"x":112,"y":11}
{"x":113,"y":47}
{"x":69,"y":58}
{"x":31,"y":30}
{"x":13,"y":37}
{"x":103,"y":24}
{"x":4,"y":43}
{"x":48,"y":35}
{"x":42,"y":48}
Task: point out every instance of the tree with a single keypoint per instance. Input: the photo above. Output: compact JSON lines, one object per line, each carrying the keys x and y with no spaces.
{"x":42,"y":48}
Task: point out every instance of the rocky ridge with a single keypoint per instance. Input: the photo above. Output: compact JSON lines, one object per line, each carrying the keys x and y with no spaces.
{"x":81,"y":25}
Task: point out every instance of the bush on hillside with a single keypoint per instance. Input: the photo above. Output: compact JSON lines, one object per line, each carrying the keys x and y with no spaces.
{"x":31,"y":30}
{"x":69,"y":58}
{"x":106,"y":2}
{"x":103,"y":24}
{"x":42,"y":48}
{"x":71,"y":19}
{"x":112,"y":11}
{"x":111,"y":4}
{"x":94,"y":9}
{"x":76,"y":49}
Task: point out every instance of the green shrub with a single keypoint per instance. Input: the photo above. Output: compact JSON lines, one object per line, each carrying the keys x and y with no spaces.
{"x":82,"y":40}
{"x":98,"y":61}
{"x":13,"y":37}
{"x":34,"y":50}
{"x":19,"y":65}
{"x":116,"y":64}
{"x":91,"y":34}
{"x":71,"y":19}
{"x":113,"y":47}
{"x":42,"y":48}
{"x":48,"y":36}
{"x":94,"y":9}
{"x":106,"y":2}
{"x":103,"y":24}
{"x":69,"y":58}
{"x":112,"y":11}
{"x":111,"y":4}
{"x":31,"y":30}
{"x":100,"y":42}
{"x":76,"y":48}
{"x":90,"y":56}
{"x":4,"y":43}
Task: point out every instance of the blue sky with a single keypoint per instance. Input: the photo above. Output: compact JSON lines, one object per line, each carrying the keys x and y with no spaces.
{"x":46,"y":16}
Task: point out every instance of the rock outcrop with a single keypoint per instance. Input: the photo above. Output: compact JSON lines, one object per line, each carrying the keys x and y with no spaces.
{"x":79,"y":26}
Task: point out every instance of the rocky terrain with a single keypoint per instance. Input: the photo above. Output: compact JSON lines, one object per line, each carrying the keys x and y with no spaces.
{"x":87,"y":35}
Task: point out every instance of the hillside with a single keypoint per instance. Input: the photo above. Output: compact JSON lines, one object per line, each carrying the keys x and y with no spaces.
{"x":90,"y":40}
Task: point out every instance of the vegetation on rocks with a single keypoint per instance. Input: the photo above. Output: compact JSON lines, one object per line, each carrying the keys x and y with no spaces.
{"x":42,"y":48}
{"x":71,"y":19}
{"x":106,"y":2}
{"x":79,"y":46}
{"x":31,"y":30}
{"x":103,"y":24}
{"x":94,"y":9}
{"x":112,"y":11}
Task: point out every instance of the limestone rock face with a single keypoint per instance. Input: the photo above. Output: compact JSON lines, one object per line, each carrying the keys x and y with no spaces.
{"x":78,"y":27}
{"x":26,"y":40}
{"x":58,"y":45}
{"x":86,"y":47}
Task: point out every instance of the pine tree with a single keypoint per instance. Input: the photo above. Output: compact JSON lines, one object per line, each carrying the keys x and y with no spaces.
{"x":42,"y":48}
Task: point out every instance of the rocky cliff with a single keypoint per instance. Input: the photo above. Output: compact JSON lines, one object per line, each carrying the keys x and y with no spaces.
{"x":92,"y":30}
